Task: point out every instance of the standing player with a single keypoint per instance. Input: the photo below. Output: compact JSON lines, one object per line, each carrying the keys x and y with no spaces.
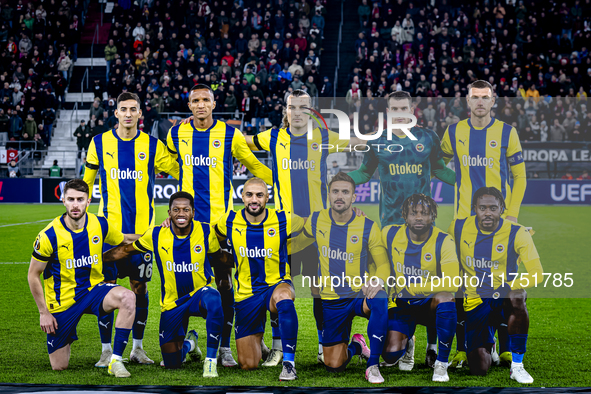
{"x":493,"y":248}
{"x":403,"y":173}
{"x":183,"y":252}
{"x":69,"y":254}
{"x":345,"y":242}
{"x":300,"y":185}
{"x":204,"y":149}
{"x":127,"y":162}
{"x":484,"y":151}
{"x":418,"y":252}
{"x":260,"y":239}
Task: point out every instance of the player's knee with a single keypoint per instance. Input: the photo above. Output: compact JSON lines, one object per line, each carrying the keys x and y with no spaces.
{"x":392,"y":357}
{"x":59,"y":365}
{"x":334,"y":366}
{"x":127,"y":301}
{"x":517,"y":299}
{"x":282,"y":294}
{"x":248,"y":363}
{"x":442,"y":297}
{"x":224,"y":285}
{"x":213,"y":304}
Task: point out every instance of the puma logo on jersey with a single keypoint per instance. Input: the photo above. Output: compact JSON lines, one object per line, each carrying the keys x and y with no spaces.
{"x":65,"y":246}
{"x":166,"y":250}
{"x":239,"y":231}
{"x":111,"y":154}
{"x":283,"y":145}
{"x":397,"y":250}
{"x":185,"y":142}
{"x":291,"y":347}
{"x":467,"y":243}
{"x":463,"y":142}
{"x":162,"y":335}
{"x":378,"y":338}
{"x":216,"y":337}
{"x":106,"y":325}
{"x":50,"y":343}
{"x":322,"y":232}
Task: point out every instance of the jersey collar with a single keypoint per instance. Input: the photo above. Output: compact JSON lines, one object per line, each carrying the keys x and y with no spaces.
{"x":186,"y":236}
{"x":121,"y":139}
{"x":255,"y":224}
{"x":203,"y":131}
{"x":343,"y":225}
{"x":410,"y":241}
{"x":72,"y":231}
{"x":492,"y":120}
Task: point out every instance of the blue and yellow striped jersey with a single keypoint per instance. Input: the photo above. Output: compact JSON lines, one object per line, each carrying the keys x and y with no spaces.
{"x":299,"y":167}
{"x":343,"y":251}
{"x":498,"y":253}
{"x":260,"y":250}
{"x":482,"y":157}
{"x":127,"y":169}
{"x":74,"y":259}
{"x":182,"y":261}
{"x":436,"y":256}
{"x":206,"y":167}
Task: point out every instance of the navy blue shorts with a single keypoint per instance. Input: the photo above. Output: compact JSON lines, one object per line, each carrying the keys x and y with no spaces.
{"x":174,"y":323}
{"x":137,"y":267}
{"x":251,"y":313}
{"x":90,"y":304}
{"x":338,"y":317}
{"x":405,"y":317}
{"x":481,"y":323}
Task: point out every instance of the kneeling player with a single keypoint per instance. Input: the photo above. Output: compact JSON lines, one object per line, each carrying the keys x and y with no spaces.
{"x":419,"y":252}
{"x":260,"y":240}
{"x":493,"y":248}
{"x":69,"y":254}
{"x":345,"y":241}
{"x":182,"y":253}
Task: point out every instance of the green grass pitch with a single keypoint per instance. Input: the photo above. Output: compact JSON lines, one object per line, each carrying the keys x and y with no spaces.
{"x":558,"y":348}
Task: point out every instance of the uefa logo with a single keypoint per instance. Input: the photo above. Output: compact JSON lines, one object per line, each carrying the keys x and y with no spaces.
{"x":354,"y":239}
{"x":500,"y":248}
{"x":198,"y":248}
{"x":271,"y":232}
{"x":492,"y":144}
{"x":315,"y":146}
{"x":216,"y":143}
{"x":428,"y":257}
{"x":141,"y":156}
{"x":37,"y":244}
{"x":147,"y":257}
{"x":96,"y":239}
{"x":420,"y":147}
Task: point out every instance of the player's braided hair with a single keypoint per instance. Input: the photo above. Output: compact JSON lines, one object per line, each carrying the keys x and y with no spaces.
{"x":295,"y":93}
{"x":490,"y":191}
{"x":419,"y":199}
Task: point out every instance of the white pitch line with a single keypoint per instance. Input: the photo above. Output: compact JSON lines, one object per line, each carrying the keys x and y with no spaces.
{"x":20,"y":224}
{"x":19,"y":262}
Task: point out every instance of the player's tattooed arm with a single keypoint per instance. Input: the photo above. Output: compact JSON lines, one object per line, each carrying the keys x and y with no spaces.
{"x":46,"y":320}
{"x":120,"y":252}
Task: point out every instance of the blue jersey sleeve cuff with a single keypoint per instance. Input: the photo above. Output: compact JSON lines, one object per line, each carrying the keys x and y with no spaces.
{"x":515,"y":159}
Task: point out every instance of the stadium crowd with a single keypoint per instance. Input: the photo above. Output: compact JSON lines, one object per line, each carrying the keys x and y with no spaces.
{"x":537,"y":59}
{"x":39,"y":45}
{"x":252,"y":53}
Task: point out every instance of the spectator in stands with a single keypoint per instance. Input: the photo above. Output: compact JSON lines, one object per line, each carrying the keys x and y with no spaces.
{"x":96,"y":109}
{"x":557,"y":131}
{"x":4,"y":122}
{"x":55,"y":171}
{"x":82,"y":134}
{"x":16,"y":126}
{"x":30,"y":129}
{"x":64,"y":63}
{"x":584,"y":176}
{"x":567,"y":176}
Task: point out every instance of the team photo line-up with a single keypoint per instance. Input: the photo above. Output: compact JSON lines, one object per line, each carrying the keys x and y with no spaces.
{"x":396,"y":270}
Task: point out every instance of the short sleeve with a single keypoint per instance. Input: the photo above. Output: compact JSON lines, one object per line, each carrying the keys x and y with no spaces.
{"x":214,"y":244}
{"x":114,"y":236}
{"x":92,"y":159}
{"x":42,"y":248}
{"x":145,"y":243}
{"x":336,"y":142}
{"x":446,"y":146}
{"x":165,"y":162}
{"x":295,"y":223}
{"x":220,"y":227}
{"x":263,"y":140}
{"x":170,"y":143}
{"x":524,"y":246}
{"x":448,"y":251}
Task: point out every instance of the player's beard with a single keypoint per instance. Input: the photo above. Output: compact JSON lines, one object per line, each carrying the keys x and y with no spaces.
{"x":80,"y":214}
{"x":342,"y":210}
{"x":257,"y":212}
{"x":420,"y":231}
